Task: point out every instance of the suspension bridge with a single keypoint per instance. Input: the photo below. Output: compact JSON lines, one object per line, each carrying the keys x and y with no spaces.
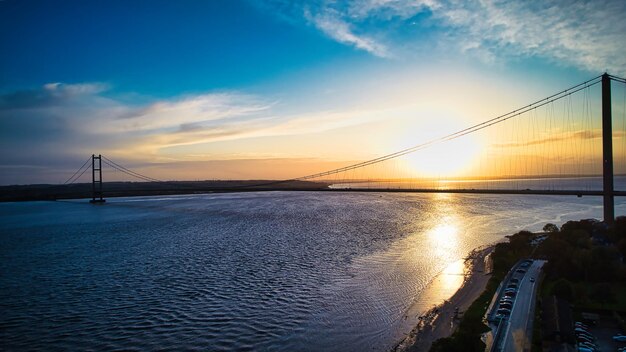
{"x":570,"y":143}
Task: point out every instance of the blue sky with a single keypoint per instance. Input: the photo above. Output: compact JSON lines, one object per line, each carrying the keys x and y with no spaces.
{"x":169,"y":87}
{"x":159,"y":48}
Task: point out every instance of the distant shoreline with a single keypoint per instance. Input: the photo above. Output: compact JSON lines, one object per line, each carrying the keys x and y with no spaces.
{"x":132,"y":189}
{"x":135,"y":189}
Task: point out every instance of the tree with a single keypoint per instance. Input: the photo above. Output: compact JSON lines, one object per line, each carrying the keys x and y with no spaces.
{"x":563,"y":289}
{"x":552,"y":228}
{"x":602,"y":293}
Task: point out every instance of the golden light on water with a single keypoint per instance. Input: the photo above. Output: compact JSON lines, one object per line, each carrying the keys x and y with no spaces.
{"x":444,"y":237}
{"x":444,"y":241}
{"x":452,"y":277}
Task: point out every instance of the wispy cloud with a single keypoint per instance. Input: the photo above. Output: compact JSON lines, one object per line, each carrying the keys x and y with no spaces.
{"x":188,"y":112}
{"x":60,"y":121}
{"x":336,"y":28}
{"x":585,"y":34}
{"x":560,"y":137}
{"x":51,"y":94}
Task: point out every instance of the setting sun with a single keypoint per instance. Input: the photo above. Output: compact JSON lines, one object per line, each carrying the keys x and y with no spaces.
{"x":450,"y":158}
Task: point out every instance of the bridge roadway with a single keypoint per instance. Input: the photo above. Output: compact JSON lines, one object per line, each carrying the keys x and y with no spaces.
{"x":200,"y":190}
{"x":477,"y":191}
{"x":394,"y":190}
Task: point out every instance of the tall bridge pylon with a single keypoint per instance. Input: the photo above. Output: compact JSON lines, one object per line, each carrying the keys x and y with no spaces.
{"x":607,"y":151}
{"x":96,"y":180}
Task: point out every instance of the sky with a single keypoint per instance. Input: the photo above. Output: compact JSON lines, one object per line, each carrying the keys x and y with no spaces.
{"x":195,"y":90}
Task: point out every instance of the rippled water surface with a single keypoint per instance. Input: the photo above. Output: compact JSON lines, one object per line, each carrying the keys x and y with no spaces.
{"x":260,"y":271}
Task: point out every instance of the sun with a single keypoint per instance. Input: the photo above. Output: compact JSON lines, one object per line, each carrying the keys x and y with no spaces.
{"x":451,"y":158}
{"x":447,"y":159}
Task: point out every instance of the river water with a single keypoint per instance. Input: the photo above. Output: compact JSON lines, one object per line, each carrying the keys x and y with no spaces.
{"x":278,"y":271}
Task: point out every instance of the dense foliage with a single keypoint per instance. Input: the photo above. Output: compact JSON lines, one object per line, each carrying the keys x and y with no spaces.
{"x":586,"y":263}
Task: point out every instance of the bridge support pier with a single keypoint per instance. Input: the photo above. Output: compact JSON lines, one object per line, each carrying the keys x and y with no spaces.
{"x":607,"y":152}
{"x":96,"y":180}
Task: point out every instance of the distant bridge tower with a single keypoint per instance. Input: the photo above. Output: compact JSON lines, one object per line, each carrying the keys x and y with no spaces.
{"x":96,"y":180}
{"x":607,"y":151}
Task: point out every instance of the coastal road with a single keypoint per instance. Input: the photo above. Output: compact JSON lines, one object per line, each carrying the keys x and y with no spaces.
{"x":519,"y":325}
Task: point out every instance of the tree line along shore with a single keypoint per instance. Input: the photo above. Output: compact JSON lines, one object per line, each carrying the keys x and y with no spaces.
{"x":586,"y":268}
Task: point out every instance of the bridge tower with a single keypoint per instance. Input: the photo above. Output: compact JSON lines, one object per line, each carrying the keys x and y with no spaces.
{"x":607,"y":151}
{"x":96,"y":180}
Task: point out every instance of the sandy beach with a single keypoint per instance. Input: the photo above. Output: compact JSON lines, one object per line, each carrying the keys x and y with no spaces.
{"x":440,"y":321}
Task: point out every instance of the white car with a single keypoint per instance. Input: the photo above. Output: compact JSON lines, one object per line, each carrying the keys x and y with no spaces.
{"x":588,"y":345}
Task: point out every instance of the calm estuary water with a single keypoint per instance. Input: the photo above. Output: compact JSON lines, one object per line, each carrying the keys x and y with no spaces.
{"x":278,"y":271}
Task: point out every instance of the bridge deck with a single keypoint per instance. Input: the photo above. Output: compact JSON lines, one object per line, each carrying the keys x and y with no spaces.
{"x":578,"y":193}
{"x":481,"y":191}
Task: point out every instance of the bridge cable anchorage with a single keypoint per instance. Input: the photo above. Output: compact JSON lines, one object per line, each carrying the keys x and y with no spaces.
{"x":77,"y":171}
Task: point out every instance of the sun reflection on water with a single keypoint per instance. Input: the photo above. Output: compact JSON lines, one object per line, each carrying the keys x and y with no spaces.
{"x":444,"y":238}
{"x":445,"y":241}
{"x":452,"y":277}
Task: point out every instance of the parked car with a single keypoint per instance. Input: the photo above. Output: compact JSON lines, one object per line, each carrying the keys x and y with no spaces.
{"x":583,"y":339}
{"x":585,"y":335}
{"x":532,"y":279}
{"x":504,"y":311}
{"x":506,"y":306}
{"x":589,"y":344}
{"x":619,"y":338}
